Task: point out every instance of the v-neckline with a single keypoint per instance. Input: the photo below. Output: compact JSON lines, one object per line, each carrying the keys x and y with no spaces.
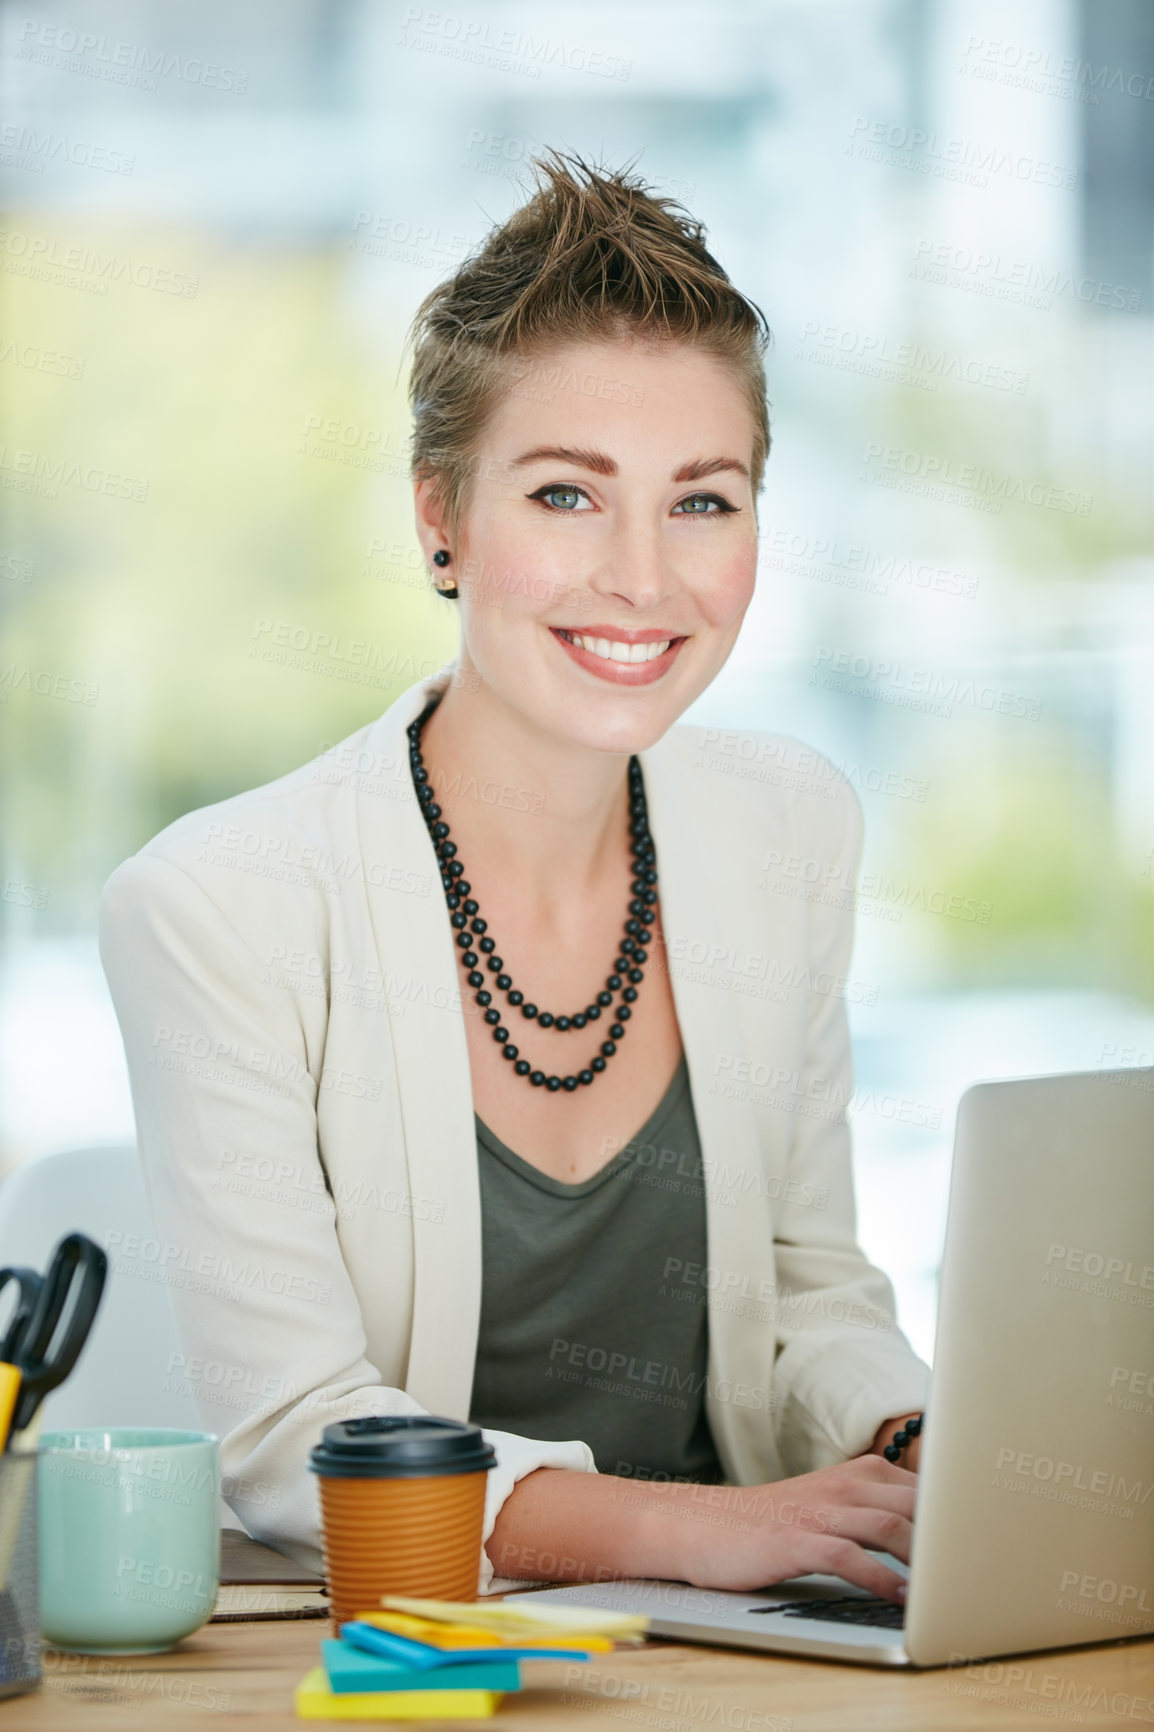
{"x":559,"y":1187}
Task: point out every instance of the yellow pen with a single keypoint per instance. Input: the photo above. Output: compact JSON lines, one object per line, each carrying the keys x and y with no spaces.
{"x":28,"y":1286}
{"x":9,"y":1390}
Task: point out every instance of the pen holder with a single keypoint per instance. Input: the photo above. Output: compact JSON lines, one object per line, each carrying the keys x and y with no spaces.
{"x":19,"y":1585}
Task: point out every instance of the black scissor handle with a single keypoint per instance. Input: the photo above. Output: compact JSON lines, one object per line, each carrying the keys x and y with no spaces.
{"x":29,"y":1283}
{"x":77,"y":1272}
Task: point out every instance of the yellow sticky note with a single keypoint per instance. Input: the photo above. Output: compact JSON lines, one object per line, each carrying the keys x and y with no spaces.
{"x":517,"y":1615}
{"x":437,"y":1635}
{"x":315,"y":1701}
{"x":446,"y":1636}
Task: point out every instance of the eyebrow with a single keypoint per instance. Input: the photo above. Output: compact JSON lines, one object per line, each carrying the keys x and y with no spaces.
{"x":603,"y":465}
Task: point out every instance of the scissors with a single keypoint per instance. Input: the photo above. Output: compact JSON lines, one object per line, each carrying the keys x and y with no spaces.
{"x":53,"y":1319}
{"x":28,"y":1284}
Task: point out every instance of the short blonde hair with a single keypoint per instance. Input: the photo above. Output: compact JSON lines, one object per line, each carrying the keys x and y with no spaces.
{"x":592,"y":255}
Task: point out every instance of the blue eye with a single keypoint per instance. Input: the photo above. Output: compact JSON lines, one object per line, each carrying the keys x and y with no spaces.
{"x":571,"y":496}
{"x":696,"y":503}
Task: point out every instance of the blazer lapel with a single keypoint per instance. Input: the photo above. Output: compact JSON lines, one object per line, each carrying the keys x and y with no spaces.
{"x":700,"y":903}
{"x":427,"y":1028}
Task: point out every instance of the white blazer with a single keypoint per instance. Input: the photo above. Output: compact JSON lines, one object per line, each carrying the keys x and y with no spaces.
{"x":286,"y":981}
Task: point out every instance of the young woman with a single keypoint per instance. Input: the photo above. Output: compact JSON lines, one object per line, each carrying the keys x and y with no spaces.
{"x":494,"y":1064}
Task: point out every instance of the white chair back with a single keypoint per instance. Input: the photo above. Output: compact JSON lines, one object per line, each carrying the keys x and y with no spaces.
{"x":129,"y":1370}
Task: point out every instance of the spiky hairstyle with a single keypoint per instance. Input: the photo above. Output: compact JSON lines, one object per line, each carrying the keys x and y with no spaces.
{"x":592,"y":255}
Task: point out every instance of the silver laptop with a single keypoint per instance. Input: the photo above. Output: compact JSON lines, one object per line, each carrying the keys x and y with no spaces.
{"x":1035,"y":1514}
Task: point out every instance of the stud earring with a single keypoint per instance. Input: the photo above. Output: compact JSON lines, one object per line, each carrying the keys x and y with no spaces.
{"x":448,"y":590}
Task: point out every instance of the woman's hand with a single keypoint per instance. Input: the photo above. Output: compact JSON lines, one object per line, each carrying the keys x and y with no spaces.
{"x":576,"y":1527}
{"x":817,"y":1523}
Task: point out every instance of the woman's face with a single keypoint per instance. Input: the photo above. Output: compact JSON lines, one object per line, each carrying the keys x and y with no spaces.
{"x":610,"y":511}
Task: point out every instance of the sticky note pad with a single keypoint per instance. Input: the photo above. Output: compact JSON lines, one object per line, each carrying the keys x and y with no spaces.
{"x":426,"y":1630}
{"x":519,"y":1615}
{"x":315,"y":1701}
{"x":451,"y":1636}
{"x":350,"y":1670}
{"x":420,"y":1657}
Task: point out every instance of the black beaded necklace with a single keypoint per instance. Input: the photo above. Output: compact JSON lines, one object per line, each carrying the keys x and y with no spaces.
{"x":464,"y":912}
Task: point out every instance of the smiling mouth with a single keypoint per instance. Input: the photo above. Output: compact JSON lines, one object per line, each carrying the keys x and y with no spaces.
{"x":614,"y":650}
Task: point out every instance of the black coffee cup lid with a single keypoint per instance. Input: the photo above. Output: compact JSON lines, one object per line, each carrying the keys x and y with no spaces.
{"x":400,"y":1446}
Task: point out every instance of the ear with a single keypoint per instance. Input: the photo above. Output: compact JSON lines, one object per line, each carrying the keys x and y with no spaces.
{"x":429,"y":515}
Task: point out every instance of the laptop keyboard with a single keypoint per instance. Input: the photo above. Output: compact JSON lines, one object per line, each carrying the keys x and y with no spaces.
{"x":854,"y":1609}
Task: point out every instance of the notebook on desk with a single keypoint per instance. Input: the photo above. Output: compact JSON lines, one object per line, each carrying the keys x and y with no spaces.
{"x":258,"y":1583}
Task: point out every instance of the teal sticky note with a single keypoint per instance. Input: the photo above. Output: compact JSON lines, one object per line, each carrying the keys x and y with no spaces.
{"x":350,"y":1670}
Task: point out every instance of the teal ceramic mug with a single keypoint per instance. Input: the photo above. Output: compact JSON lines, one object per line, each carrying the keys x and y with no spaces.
{"x":129,"y":1537}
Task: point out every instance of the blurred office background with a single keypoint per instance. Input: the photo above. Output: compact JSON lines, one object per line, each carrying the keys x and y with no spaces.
{"x":218,"y":221}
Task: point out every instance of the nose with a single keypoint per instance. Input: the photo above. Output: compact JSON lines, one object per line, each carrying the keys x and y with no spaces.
{"x":635,"y":565}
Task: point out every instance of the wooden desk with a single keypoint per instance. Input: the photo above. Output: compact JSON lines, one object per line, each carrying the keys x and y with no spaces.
{"x":249,"y":1671}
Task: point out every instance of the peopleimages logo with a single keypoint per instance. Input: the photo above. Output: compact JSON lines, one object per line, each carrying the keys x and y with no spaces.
{"x":1070,"y":1483}
{"x":824,"y":559}
{"x":1105,"y":1591}
{"x":1034,"y":68}
{"x":1017,"y":281}
{"x":1133,"y":1391}
{"x":970,"y":482}
{"x":913,"y":147}
{"x":913,"y":687}
{"x":119,"y":62}
{"x":1076,"y":1260}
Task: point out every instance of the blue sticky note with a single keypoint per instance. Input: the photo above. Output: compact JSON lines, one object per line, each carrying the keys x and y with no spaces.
{"x":351,"y":1670}
{"x":423,"y":1657}
{"x":389,"y":1646}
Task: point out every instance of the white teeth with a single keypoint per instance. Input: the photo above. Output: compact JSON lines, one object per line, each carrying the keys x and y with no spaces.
{"x":616,"y":651}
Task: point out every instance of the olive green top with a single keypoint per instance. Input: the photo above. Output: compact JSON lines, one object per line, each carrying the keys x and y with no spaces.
{"x":586,"y":1329}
